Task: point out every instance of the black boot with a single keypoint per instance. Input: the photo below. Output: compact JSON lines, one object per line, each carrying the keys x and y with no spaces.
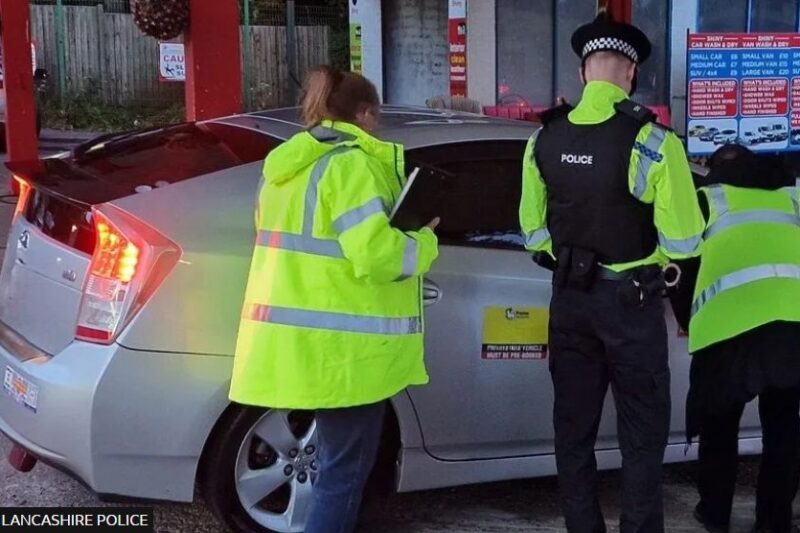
{"x":710,"y":526}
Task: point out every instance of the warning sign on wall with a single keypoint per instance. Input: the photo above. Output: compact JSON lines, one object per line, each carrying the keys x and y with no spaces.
{"x":172,"y":62}
{"x":514,"y":333}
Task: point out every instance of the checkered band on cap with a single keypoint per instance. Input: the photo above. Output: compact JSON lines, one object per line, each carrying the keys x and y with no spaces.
{"x":613,"y":44}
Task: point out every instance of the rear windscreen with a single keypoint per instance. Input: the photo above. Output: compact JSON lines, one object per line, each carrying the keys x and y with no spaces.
{"x":172,"y":154}
{"x":61,"y":220}
{"x":111,"y":167}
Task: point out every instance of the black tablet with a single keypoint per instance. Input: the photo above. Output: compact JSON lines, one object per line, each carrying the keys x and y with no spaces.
{"x":421,"y":199}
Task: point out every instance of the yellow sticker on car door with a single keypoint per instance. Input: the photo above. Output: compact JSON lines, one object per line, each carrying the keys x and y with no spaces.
{"x":514,"y":333}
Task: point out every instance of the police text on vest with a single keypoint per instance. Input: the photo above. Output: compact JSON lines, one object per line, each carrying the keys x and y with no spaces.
{"x":577,"y":159}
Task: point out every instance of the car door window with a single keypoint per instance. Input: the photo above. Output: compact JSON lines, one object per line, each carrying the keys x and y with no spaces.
{"x":477,"y":193}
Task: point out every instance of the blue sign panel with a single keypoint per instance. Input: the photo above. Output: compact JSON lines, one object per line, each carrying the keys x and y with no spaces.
{"x":743,"y":88}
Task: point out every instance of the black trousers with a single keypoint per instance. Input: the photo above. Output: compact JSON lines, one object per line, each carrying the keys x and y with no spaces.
{"x":595,"y":341}
{"x":780,"y":461}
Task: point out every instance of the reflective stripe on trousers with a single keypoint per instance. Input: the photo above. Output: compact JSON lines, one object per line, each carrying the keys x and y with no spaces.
{"x":743,"y":277}
{"x":333,"y":321}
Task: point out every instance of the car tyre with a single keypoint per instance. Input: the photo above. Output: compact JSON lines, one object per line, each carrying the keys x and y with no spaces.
{"x":259,"y":469}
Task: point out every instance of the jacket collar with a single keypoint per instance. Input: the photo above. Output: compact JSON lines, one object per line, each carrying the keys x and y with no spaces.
{"x":597,"y":103}
{"x":347,"y":134}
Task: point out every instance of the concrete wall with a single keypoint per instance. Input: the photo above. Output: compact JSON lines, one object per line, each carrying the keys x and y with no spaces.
{"x":481,"y":51}
{"x":415,"y":50}
{"x":684,"y":18}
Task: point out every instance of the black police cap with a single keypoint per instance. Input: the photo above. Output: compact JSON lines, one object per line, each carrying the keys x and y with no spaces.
{"x":604,"y":34}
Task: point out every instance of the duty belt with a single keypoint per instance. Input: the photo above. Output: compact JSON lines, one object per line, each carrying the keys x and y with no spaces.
{"x":607,"y":274}
{"x":671,"y":274}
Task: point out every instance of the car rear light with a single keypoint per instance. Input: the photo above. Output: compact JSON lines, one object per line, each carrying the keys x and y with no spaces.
{"x":114,"y":256}
{"x":24,"y":193}
{"x":129,"y":262}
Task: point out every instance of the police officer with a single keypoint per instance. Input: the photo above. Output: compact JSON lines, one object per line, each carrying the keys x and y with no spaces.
{"x":744,"y":329}
{"x":608,"y":196}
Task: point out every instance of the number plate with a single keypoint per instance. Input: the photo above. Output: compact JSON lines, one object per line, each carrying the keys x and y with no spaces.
{"x":21,"y":390}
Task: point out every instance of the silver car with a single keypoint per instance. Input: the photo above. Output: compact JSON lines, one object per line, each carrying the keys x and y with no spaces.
{"x":725,"y":137}
{"x":120,"y":297}
{"x":749,"y":138}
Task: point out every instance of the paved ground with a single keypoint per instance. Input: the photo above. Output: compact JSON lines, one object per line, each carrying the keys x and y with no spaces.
{"x":529,"y":505}
{"x":509,"y":507}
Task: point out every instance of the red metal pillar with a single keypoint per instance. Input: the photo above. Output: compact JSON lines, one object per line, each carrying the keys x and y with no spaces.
{"x":213,"y":60}
{"x":621,"y":9}
{"x":20,"y":124}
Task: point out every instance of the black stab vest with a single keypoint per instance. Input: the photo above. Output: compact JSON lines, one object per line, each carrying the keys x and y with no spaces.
{"x":589,"y":203}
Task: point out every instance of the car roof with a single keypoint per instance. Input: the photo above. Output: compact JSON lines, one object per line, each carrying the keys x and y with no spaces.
{"x":413,"y":127}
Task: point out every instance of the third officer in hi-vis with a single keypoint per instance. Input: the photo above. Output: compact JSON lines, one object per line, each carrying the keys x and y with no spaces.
{"x":607,"y":201}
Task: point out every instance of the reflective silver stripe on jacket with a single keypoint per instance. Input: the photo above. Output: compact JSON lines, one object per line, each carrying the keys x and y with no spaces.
{"x":653,"y":143}
{"x":410,"y":254}
{"x":532,"y":140}
{"x":743,"y":277}
{"x":312,"y":192}
{"x":730,"y":220}
{"x":299,"y":243}
{"x":794,"y":192}
{"x":716,"y":197}
{"x":333,"y":321}
{"x":536,"y":238}
{"x":679,"y":246}
{"x":356,"y":216}
{"x":306,"y":242}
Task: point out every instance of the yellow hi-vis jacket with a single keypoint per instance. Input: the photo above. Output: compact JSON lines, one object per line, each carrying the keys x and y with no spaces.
{"x":750,"y":263}
{"x":333,"y":308}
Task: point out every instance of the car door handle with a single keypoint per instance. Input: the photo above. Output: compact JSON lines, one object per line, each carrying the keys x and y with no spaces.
{"x":431,"y":293}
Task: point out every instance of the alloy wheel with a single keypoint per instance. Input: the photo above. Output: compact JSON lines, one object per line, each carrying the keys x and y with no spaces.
{"x":276,"y":468}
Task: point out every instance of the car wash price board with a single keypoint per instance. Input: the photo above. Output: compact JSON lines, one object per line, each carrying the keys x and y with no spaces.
{"x":743,"y":88}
